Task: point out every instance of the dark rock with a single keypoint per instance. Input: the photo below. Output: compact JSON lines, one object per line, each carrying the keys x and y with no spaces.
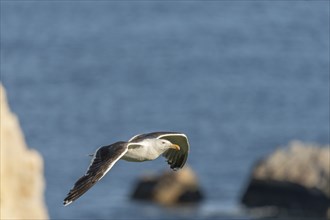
{"x":190,"y":196}
{"x":169,"y":188}
{"x":291,"y":198}
{"x":144,"y":189}
{"x":295,"y":181}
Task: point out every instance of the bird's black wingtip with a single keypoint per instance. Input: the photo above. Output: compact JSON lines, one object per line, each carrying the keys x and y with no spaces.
{"x":67,"y":202}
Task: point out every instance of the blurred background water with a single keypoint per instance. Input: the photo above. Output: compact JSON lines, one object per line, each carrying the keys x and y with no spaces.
{"x":239,"y":78}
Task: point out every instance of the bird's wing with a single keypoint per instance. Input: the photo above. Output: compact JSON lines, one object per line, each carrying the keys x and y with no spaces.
{"x":103,"y":160}
{"x":152,"y":135}
{"x":176,"y":159}
{"x":135,"y":137}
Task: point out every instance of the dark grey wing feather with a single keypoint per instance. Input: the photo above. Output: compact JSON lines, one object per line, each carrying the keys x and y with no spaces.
{"x":175,"y":159}
{"x":103,"y":160}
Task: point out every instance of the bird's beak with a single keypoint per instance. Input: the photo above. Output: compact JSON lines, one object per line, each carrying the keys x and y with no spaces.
{"x":175,"y":147}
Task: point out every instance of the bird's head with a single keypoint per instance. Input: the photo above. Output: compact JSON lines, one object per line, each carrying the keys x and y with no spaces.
{"x":165,"y":145}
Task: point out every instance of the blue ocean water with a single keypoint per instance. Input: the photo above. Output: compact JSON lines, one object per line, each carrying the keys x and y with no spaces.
{"x":239,"y":78}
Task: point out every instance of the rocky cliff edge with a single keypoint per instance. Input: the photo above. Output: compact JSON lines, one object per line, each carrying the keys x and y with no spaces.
{"x":22,"y":181}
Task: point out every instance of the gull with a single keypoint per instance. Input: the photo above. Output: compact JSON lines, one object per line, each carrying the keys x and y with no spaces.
{"x":174,"y":146}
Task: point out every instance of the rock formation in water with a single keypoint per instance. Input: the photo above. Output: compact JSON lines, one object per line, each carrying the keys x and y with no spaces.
{"x":22,"y":181}
{"x":296,"y":180}
{"x":169,"y":188}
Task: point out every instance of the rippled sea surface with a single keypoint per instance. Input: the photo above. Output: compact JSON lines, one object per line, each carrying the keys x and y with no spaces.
{"x":239,"y":78}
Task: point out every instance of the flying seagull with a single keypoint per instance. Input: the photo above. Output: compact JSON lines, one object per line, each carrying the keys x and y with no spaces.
{"x":174,"y":146}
